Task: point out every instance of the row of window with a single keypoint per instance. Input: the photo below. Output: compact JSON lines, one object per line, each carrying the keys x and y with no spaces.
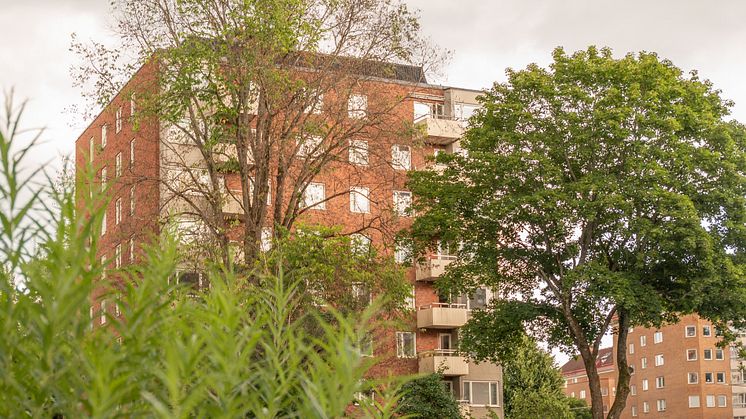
{"x":707,"y":354}
{"x":314,"y":197}
{"x":117,"y":127}
{"x":118,"y":211}
{"x":711,"y":400}
{"x":401,"y":155}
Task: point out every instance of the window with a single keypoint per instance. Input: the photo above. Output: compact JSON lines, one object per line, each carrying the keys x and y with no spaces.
{"x":103,"y":312}
{"x":706,"y":331}
{"x":401,"y":157}
{"x":720,"y":377}
{"x":481,"y":393}
{"x":309,"y":146}
{"x":710,"y":400}
{"x":660,"y":382}
{"x":366,"y":345}
{"x":582,"y":394}
{"x":132,"y":152}
{"x":265,"y":243}
{"x":118,"y":120}
{"x":132,"y":250}
{"x":634,"y":410}
{"x":719,"y":354}
{"x":118,"y":256}
{"x":633,"y":389}
{"x":643,"y":363}
{"x":357,"y":106}
{"x":410,"y":301}
{"x":707,"y":354}
{"x":645,"y":384}
{"x":401,"y":253}
{"x":315,"y":102}
{"x":360,"y":243}
{"x":631,"y":348}
{"x":91,"y":151}
{"x":405,"y":345}
{"x":693,"y":378}
{"x":645,"y":407}
{"x":691,"y":354}
{"x":643,"y":340}
{"x":604,"y":391}
{"x":132,"y":104}
{"x":708,"y":377}
{"x":691,"y":331}
{"x":739,"y":400}
{"x":103,"y":179}
{"x":118,"y":165}
{"x":359,"y":201}
{"x":132,"y":200}
{"x":658,"y":337}
{"x":693,"y":401}
{"x":118,"y":211}
{"x":661,"y":404}
{"x":402,"y":202}
{"x":444,"y":341}
{"x":722,"y":400}
{"x":103,"y":223}
{"x":103,"y":136}
{"x":358,"y":152}
{"x":659,"y":360}
{"x":314,"y":196}
{"x":362,"y":293}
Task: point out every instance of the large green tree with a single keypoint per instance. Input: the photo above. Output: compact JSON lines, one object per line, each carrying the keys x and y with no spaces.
{"x":594,"y":195}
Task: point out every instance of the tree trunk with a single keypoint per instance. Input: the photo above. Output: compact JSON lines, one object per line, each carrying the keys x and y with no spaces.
{"x":594,"y":381}
{"x":622,"y":386}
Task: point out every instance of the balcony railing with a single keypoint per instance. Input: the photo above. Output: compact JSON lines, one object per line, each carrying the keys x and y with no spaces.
{"x":449,"y":360}
{"x":442,"y":316}
{"x":433,"y":268}
{"x":440,"y":129}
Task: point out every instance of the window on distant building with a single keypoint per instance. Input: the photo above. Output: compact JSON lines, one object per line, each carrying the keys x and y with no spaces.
{"x":481,"y":393}
{"x":691,"y":331}
{"x":132,"y":200}
{"x":707,"y":354}
{"x":691,"y":354}
{"x":358,"y":152}
{"x":118,"y":211}
{"x":719,"y":354}
{"x":360,"y":243}
{"x":706,"y":331}
{"x":643,"y":363}
{"x":645,"y":384}
{"x":132,"y":250}
{"x":132,"y":105}
{"x":709,"y":377}
{"x":633,"y":389}
{"x":118,"y":256}
{"x":118,"y":165}
{"x":265,"y":243}
{"x":659,"y":360}
{"x":645,"y":407}
{"x":658,"y":337}
{"x":132,"y":152}
{"x":720,"y":378}
{"x":309,"y":146}
{"x":660,"y":382}
{"x":402,"y":253}
{"x":661,"y":405}
{"x":631,"y":348}
{"x":693,"y":378}
{"x":401,"y":157}
{"x":118,"y":119}
{"x":91,"y":149}
{"x":103,"y":136}
{"x":634,"y":411}
{"x":103,"y":179}
{"x":402,"y":203}
{"x":406,"y":346}
{"x":314,"y":196}
{"x":357,"y":106}
{"x":582,"y":394}
{"x":359,"y":201}
{"x":710,"y":400}
{"x":643,"y":340}
{"x":103,"y":223}
{"x":103,"y":312}
{"x":693,"y":401}
{"x":722,"y":400}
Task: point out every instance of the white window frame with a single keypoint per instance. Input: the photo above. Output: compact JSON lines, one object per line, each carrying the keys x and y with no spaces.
{"x":118,"y":120}
{"x":659,"y":360}
{"x":718,"y":376}
{"x":102,"y":312}
{"x":360,"y":199}
{"x":402,"y":205}
{"x":467,"y":394}
{"x":633,"y":389}
{"x":309,"y":146}
{"x":634,"y":411}
{"x":661,"y":405}
{"x":712,"y":377}
{"x":357,"y":106}
{"x":719,"y":354}
{"x":358,"y":152}
{"x":694,"y":401}
{"x":132,"y":200}
{"x":132,"y":104}
{"x":722,"y":400}
{"x":582,"y":394}
{"x":103,"y":135}
{"x":660,"y":381}
{"x":118,"y":256}
{"x":307,"y":197}
{"x":103,"y":179}
{"x":710,"y":400}
{"x":689,"y":353}
{"x":118,"y":165}
{"x":402,"y":253}
{"x":400,"y":349}
{"x":645,"y":407}
{"x":132,"y":152}
{"x":705,"y":355}
{"x":401,"y":157}
{"x":643,"y":363}
{"x":631,"y":348}
{"x":265,"y":243}
{"x":658,"y":337}
{"x":690,"y":331}
{"x":643,"y":340}
{"x":118,"y":211}
{"x":706,"y":331}
{"x":694,"y":375}
{"x":103,"y":223}
{"x":132,"y":250}
{"x":645,"y":384}
{"x":360,"y":243}
{"x":91,"y":149}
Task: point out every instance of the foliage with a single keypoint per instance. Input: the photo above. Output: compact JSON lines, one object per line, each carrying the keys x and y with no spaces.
{"x":598,"y":189}
{"x":163,"y":351}
{"x":427,"y":397}
{"x":532,"y":383}
{"x":579,"y":408}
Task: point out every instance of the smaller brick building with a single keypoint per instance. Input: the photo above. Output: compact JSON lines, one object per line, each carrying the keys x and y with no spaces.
{"x":576,"y":381}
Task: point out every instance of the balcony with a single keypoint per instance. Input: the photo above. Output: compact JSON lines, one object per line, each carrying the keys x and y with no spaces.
{"x":232,"y":203}
{"x":451,"y":363}
{"x":434,"y":268}
{"x":442,"y":316}
{"x":440,"y":130}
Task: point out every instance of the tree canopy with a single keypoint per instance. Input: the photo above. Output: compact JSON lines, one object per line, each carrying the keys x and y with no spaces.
{"x":594,"y":195}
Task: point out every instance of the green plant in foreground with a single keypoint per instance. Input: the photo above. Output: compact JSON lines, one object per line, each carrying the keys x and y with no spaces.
{"x":234,"y":351}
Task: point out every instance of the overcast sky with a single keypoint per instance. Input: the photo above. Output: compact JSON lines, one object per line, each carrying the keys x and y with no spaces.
{"x":486,"y":37}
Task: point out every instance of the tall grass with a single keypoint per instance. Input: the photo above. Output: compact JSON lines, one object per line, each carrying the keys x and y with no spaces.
{"x":232,"y":351}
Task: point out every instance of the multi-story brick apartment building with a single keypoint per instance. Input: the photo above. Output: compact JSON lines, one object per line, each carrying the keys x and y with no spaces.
{"x":141,"y":165}
{"x":678,"y":372}
{"x":576,"y":381}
